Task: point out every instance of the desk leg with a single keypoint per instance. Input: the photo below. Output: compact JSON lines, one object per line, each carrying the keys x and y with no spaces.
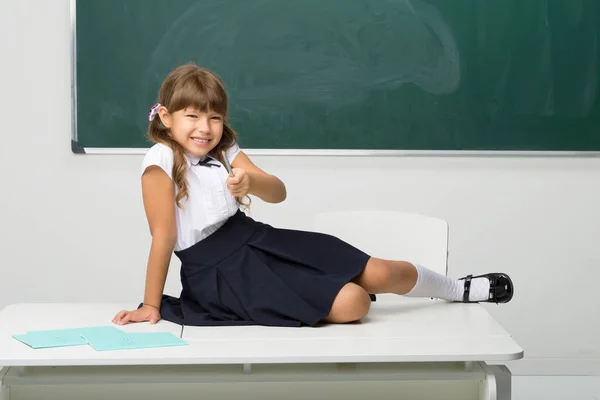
{"x":497,"y":384}
{"x":4,"y":388}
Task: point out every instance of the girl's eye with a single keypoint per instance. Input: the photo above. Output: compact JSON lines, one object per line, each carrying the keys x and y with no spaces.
{"x":193,"y":116}
{"x":216,"y":117}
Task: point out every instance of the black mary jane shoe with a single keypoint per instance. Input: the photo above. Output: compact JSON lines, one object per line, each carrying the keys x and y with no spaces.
{"x":501,"y":288}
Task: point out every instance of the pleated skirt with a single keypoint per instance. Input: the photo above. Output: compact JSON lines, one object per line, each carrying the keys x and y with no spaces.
{"x":250,"y":273}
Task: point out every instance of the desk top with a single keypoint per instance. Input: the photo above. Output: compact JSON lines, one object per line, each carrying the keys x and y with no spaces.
{"x":396,"y":329}
{"x":404,"y":330}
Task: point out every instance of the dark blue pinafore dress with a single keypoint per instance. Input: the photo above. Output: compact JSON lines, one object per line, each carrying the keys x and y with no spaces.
{"x":250,"y":273}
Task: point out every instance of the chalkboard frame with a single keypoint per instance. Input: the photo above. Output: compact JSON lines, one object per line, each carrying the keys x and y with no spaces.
{"x":79,"y":150}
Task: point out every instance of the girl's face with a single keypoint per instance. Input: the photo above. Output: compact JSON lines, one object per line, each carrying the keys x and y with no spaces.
{"x":196,"y":131}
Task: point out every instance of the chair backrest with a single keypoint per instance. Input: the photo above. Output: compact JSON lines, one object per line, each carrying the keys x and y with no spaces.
{"x":391,"y":235}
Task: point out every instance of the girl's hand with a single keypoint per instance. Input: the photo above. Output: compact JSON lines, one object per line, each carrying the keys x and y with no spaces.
{"x":239,"y":183}
{"x":145,"y":313}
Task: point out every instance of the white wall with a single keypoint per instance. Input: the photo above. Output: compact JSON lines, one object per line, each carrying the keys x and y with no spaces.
{"x":72,"y":227}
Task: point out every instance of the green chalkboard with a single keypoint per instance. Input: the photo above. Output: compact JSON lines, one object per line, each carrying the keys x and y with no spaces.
{"x":500,"y":75}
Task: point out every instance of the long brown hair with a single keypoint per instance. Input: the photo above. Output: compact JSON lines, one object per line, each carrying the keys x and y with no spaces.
{"x":191,"y":86}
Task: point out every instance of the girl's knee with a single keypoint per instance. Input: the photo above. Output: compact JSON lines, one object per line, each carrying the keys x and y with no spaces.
{"x":351,"y":304}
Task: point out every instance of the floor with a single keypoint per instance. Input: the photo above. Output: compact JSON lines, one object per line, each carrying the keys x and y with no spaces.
{"x":556,"y":387}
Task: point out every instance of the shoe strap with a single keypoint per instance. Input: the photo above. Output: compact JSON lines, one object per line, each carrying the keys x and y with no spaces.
{"x":493,"y":291}
{"x":467,"y":287}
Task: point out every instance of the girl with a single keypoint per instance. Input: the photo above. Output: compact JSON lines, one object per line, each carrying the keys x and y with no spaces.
{"x":236,"y":270}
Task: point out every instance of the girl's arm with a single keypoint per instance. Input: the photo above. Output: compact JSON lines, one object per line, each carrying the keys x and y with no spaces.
{"x":159,"y":204}
{"x":263,"y":185}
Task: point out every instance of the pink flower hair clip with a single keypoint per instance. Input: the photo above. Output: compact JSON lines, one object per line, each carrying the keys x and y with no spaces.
{"x":153,"y":111}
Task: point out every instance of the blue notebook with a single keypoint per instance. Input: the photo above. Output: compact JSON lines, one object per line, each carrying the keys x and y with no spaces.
{"x":137,"y":340}
{"x":64,"y":337}
{"x":100,"y":338}
{"x":46,"y":339}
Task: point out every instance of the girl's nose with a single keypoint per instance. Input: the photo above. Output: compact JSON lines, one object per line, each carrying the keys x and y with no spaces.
{"x":202,"y":124}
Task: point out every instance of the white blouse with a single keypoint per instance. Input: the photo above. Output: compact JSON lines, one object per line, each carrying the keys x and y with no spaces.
{"x":209,"y":203}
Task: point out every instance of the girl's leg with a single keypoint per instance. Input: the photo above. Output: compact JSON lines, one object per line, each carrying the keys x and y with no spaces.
{"x":351,"y":304}
{"x":413,"y":280}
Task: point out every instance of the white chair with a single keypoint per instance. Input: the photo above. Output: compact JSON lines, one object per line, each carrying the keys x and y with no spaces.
{"x":392,"y":235}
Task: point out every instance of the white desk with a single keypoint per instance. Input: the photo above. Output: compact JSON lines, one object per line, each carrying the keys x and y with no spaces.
{"x":411,"y":339}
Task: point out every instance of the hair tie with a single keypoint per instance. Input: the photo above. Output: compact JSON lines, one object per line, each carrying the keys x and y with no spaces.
{"x":153,"y":111}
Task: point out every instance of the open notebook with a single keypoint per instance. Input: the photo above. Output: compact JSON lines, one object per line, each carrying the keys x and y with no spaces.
{"x":100,"y":338}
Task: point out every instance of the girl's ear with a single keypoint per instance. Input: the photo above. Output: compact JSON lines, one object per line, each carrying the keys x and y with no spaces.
{"x":164,"y":116}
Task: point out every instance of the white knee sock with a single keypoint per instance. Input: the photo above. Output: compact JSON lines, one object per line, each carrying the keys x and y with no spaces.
{"x":432,"y":284}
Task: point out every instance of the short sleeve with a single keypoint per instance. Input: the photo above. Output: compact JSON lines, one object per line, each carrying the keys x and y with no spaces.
{"x":232,"y":152}
{"x":160,"y":155}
